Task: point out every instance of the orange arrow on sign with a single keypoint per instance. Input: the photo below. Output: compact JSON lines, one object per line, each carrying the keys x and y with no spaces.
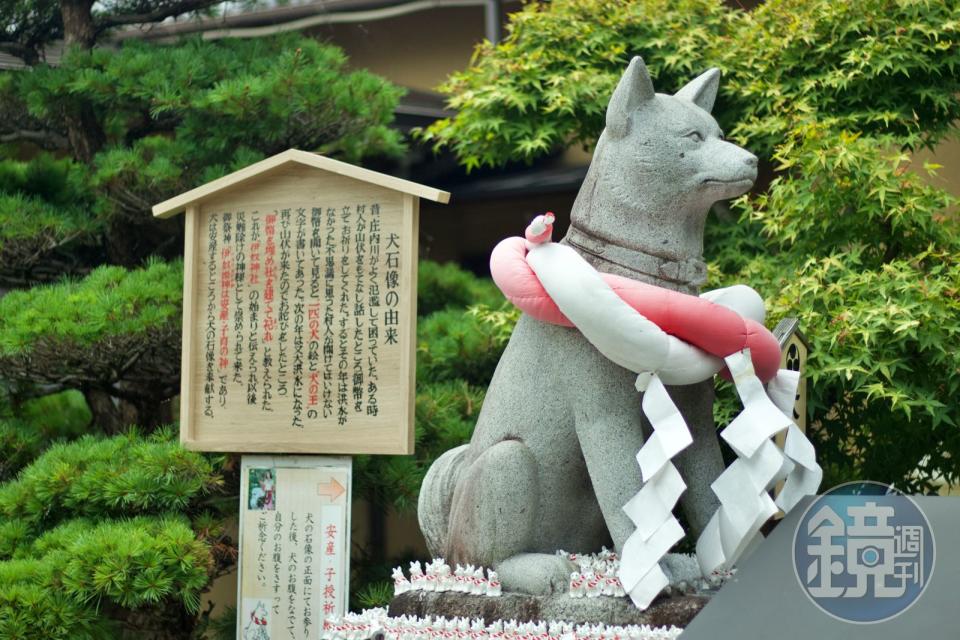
{"x":332,"y":489}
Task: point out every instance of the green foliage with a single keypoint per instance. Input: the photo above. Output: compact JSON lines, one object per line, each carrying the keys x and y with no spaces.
{"x":47,"y":213}
{"x":176,"y":117}
{"x":58,"y":415}
{"x":463,"y":327}
{"x":840,"y":189}
{"x":547,"y":84}
{"x":221,"y":627}
{"x":499,"y":321}
{"x":92,"y":477}
{"x":56,"y":585}
{"x":865,"y":253}
{"x":145,"y":122}
{"x":375,"y":594}
{"x":440,"y":286}
{"x":59,"y":181}
{"x":63,"y":558}
{"x":28,"y":24}
{"x":452,"y":344}
{"x":20,"y":444}
{"x":111,"y":326}
{"x":884,"y":362}
{"x":37,"y":236}
{"x":108,"y":303}
{"x":875,"y":66}
{"x":94,"y":536}
{"x":27,"y":428}
{"x":27,"y":218}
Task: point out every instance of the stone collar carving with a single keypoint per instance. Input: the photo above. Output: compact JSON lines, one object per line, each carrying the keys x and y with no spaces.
{"x":688,"y":273}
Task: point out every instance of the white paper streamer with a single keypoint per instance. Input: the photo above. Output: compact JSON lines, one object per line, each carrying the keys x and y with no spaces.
{"x":627,"y":338}
{"x":805,"y":475}
{"x":783,"y":390}
{"x":651,"y":509}
{"x":743,"y":489}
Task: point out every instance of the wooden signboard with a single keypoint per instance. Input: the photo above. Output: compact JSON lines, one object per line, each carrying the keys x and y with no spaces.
{"x":293,"y":570}
{"x":299,"y":308}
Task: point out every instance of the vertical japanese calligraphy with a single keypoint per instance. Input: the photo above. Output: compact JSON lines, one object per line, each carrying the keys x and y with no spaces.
{"x":269,"y":310}
{"x":373,"y":305}
{"x":239,"y":276}
{"x":294,"y":539}
{"x":303,"y":309}
{"x":299,"y":294}
{"x":253,"y":342}
{"x":300,"y":317}
{"x":210,"y":321}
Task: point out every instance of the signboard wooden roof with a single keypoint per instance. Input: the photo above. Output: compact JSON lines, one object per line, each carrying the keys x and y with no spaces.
{"x":179,"y":203}
{"x":299,"y":308}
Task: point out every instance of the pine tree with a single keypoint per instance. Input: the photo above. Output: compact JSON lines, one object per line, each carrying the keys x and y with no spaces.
{"x":108,"y":528}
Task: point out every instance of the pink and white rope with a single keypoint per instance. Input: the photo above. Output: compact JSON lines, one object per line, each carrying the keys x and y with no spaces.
{"x":673,"y":338}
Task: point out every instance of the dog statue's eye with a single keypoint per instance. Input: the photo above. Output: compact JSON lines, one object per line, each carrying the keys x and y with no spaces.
{"x":696,"y":136}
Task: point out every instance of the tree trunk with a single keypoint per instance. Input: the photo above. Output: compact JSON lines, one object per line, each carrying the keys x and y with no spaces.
{"x":78,"y":23}
{"x":153,"y":413}
{"x":84,"y":132}
{"x":114,"y":415}
{"x":110,"y":415}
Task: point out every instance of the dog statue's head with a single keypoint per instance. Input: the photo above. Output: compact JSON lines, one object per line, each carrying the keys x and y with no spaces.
{"x":659,"y":165}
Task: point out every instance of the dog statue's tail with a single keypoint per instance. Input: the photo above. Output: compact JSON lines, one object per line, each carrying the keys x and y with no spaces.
{"x":436,"y":496}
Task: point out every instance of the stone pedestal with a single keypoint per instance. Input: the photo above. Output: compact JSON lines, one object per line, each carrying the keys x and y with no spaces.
{"x":665,"y":611}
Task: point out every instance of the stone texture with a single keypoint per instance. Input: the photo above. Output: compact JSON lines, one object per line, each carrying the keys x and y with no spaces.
{"x":666,"y":611}
{"x":551,"y":462}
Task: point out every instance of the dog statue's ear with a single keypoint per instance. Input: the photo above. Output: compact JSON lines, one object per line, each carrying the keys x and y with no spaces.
{"x":634,"y":88}
{"x":702,"y":90}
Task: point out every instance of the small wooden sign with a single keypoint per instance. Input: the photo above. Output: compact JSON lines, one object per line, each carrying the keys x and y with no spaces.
{"x":299,"y":308}
{"x":293,"y":570}
{"x":793,"y":356}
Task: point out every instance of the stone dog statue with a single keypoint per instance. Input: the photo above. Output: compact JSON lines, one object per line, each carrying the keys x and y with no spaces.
{"x":551,"y":462}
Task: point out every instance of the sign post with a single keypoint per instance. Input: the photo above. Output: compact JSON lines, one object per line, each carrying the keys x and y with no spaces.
{"x":294,"y":544}
{"x":299,"y":309}
{"x":299,"y":337}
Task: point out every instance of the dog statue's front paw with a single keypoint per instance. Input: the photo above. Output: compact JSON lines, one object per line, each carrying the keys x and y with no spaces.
{"x":538,"y":574}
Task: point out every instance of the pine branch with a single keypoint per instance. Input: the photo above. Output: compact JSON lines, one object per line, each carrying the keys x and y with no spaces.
{"x":175,"y":9}
{"x":48,"y":140}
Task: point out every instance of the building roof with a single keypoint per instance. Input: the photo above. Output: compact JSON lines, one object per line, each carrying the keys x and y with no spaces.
{"x":175,"y":205}
{"x":258,"y":22}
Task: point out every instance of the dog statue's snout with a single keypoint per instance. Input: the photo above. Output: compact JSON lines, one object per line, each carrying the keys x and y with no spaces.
{"x":750,"y":161}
